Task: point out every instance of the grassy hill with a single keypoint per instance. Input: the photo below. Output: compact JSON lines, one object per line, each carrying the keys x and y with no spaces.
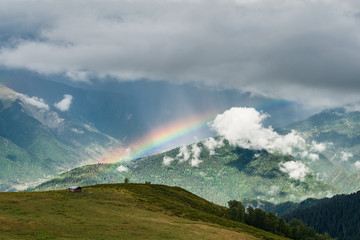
{"x":231,"y":173}
{"x":119,"y":211}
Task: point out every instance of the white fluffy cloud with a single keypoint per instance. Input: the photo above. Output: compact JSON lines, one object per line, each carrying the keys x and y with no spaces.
{"x":167,"y":160}
{"x":318,"y":147}
{"x":196,"y":150}
{"x":34,"y":101}
{"x":345,"y":156}
{"x":243,"y":127}
{"x":296,"y":170}
{"x":122,"y":168}
{"x":183,"y":154}
{"x":357,"y":164}
{"x":211,"y":144}
{"x":191,"y":155}
{"x":65,"y":103}
{"x":273,"y":47}
{"x":313,"y":156}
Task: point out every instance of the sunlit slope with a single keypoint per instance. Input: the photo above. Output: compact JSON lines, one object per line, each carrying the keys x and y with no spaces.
{"x":121,"y":211}
{"x":231,"y":173}
{"x":339,"y":129}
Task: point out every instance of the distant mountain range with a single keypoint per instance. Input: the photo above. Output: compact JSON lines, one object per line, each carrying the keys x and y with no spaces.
{"x":129,"y":110}
{"x":339,"y":130}
{"x":235,"y":173}
{"x":231,"y":173}
{"x":38,"y":142}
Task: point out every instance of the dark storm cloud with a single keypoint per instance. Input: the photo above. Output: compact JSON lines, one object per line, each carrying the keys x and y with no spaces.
{"x":300,"y":50}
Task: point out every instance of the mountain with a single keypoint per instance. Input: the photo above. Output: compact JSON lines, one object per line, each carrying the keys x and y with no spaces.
{"x":281,"y":209}
{"x":120,"y":211}
{"x":339,"y":216}
{"x":227,"y":173}
{"x":129,"y":110}
{"x":339,"y":131}
{"x":38,"y":142}
{"x":235,"y":173}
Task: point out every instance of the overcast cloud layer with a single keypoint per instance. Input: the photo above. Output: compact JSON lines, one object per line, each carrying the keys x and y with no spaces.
{"x":306,"y":50}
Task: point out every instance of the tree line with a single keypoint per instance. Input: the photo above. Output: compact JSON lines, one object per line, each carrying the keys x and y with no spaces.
{"x":339,"y":216}
{"x":258,"y":218}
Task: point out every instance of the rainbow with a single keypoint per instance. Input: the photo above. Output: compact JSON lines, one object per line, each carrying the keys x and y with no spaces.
{"x":158,"y":138}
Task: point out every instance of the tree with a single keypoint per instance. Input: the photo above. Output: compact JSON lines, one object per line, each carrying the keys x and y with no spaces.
{"x":260,"y":217}
{"x":283,"y":227}
{"x":126,"y":180}
{"x":250,"y":216}
{"x":271,"y":222}
{"x":236,"y":211}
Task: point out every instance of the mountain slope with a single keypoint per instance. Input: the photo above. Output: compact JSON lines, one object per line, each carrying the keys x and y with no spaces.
{"x":281,"y":208}
{"x":339,"y":130}
{"x":122,"y":211}
{"x":230,"y":173}
{"x":339,"y":216}
{"x":38,"y":142}
{"x":129,"y":110}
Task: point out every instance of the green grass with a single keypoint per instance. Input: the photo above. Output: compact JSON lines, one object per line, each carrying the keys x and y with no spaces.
{"x":119,"y":211}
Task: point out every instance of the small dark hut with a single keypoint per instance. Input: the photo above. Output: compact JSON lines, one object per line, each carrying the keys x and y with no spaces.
{"x":75,"y":189}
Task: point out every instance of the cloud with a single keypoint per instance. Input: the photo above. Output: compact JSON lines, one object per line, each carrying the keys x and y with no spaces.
{"x":211,"y":144}
{"x":296,"y":170}
{"x":34,"y":101}
{"x":196,"y":150}
{"x":183,"y":154}
{"x":122,"y":168}
{"x":274,"y":190}
{"x":243,"y":127}
{"x":313,"y":156}
{"x":274,"y":47}
{"x":167,"y":160}
{"x":354,"y":107}
{"x":318,"y":147}
{"x":64,"y":105}
{"x":345,"y":156}
{"x":357,"y":164}
{"x":78,"y":131}
{"x":192,"y":156}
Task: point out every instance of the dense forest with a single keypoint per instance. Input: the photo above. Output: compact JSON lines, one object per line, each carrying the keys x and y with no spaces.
{"x":295,"y":229}
{"x":282,"y":208}
{"x":338,"y":216}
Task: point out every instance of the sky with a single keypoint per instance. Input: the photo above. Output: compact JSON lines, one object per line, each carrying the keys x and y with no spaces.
{"x":300,"y":50}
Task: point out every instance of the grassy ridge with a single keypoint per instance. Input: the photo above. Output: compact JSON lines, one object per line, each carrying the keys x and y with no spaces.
{"x":119,"y":211}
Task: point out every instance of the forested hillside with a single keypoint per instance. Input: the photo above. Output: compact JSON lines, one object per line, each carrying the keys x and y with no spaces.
{"x":230,"y":173}
{"x":338,"y":216}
